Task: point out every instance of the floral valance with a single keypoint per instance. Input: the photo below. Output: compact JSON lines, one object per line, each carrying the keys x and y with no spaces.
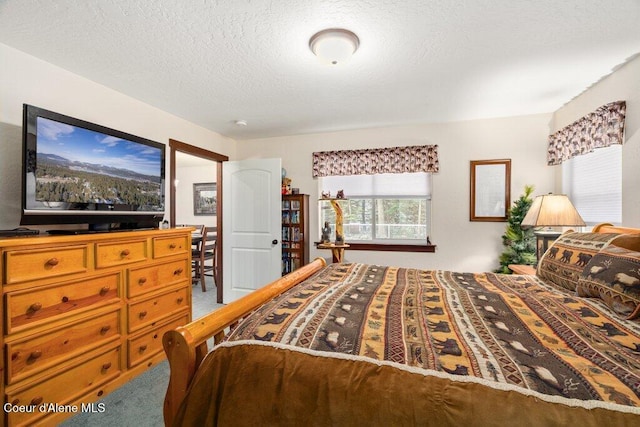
{"x":602,"y":128}
{"x":419,"y":158}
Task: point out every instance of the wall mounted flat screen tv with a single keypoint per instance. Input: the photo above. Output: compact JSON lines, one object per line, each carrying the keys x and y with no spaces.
{"x":76,"y":172}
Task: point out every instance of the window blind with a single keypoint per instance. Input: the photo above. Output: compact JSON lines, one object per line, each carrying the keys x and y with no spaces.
{"x":379,"y":185}
{"x":593,"y":182}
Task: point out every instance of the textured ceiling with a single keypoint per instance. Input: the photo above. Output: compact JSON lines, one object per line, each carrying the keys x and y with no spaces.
{"x":215,"y":62}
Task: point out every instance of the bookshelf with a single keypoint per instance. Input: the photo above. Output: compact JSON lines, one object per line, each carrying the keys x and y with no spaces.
{"x":295,"y":231}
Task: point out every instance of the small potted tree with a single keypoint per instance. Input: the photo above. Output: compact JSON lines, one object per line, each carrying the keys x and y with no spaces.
{"x":520,"y":243}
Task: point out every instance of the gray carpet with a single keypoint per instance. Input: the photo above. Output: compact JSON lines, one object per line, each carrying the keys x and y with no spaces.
{"x":139,"y":402}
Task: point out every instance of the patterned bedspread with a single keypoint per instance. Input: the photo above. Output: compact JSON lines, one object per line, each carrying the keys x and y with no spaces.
{"x":504,"y":328}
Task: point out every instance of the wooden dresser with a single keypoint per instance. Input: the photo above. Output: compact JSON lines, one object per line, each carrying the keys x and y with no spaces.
{"x":83,"y":314}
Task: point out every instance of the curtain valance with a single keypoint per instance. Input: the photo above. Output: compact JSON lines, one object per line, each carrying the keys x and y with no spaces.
{"x":418,"y":158}
{"x":602,"y":128}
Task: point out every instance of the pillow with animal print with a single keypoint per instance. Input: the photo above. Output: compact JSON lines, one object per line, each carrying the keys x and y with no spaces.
{"x":613,"y":275}
{"x":563,"y":262}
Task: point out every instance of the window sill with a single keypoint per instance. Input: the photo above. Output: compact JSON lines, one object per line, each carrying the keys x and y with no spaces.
{"x":389,"y":247}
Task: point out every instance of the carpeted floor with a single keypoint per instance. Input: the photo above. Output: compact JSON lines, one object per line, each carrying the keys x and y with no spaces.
{"x":139,"y":402}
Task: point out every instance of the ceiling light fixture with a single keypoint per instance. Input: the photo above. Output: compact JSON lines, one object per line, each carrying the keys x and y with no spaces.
{"x":334,"y":45}
{"x":240,"y":122}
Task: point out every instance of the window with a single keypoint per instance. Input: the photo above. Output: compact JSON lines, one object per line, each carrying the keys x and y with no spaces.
{"x":593,"y":182}
{"x":382,"y":208}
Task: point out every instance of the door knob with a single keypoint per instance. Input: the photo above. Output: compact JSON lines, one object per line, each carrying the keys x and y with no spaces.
{"x":274,"y":242}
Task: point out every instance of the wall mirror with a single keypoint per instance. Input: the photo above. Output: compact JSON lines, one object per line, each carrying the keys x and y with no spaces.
{"x":490,"y":190}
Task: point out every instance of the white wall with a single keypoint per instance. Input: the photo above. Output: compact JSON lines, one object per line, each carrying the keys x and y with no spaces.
{"x":461,"y":245}
{"x":25,"y":79}
{"x":10,"y":171}
{"x":622,"y":85}
{"x":189,"y":175}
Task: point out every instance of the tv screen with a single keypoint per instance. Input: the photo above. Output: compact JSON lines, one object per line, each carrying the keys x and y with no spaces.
{"x":78,"y":172}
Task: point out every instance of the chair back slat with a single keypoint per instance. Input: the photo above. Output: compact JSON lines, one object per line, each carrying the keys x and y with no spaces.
{"x":204,"y":256}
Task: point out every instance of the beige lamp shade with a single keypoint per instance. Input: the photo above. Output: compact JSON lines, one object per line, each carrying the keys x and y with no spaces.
{"x":552,"y":210}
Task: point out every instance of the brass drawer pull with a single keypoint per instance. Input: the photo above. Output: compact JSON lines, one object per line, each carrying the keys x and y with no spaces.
{"x":180,"y":299}
{"x":52,"y":262}
{"x":125,"y":252}
{"x":104,"y":329}
{"x":106,"y":366}
{"x":142,"y":281}
{"x":172,"y":246}
{"x":36,"y":354}
{"x":142,"y":348}
{"x":142,"y":314}
{"x":104,"y":291}
{"x":36,"y":306}
{"x":178,"y":272}
{"x":36,"y":400}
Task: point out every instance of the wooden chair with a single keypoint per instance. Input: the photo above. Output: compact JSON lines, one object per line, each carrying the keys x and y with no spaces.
{"x":196,"y":241}
{"x":204,"y":257}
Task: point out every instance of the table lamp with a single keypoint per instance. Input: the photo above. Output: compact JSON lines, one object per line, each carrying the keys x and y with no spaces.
{"x":550,"y":210}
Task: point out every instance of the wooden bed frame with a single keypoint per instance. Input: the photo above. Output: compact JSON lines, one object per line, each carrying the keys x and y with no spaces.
{"x":186,"y":346}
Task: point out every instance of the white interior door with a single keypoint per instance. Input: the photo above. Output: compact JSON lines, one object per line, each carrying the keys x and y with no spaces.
{"x":251,"y":249}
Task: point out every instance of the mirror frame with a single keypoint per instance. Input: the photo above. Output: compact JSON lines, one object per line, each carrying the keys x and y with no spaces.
{"x":492,"y":187}
{"x":175,"y":146}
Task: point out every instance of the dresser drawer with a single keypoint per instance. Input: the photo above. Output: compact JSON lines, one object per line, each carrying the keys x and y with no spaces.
{"x":48,"y":303}
{"x":145,"y":279}
{"x":120,"y":253}
{"x":151,"y":310}
{"x":67,"y":385}
{"x":167,"y":246}
{"x":33,"y":264}
{"x":33,"y":354}
{"x":149,"y":344}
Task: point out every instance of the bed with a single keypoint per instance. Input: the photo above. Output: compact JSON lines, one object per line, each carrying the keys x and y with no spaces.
{"x":358,"y":344}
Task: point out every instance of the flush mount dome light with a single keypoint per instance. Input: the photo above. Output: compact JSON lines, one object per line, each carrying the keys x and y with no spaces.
{"x":334,"y":45}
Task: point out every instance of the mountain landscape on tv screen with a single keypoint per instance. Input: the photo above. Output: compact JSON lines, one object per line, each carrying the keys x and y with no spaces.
{"x":62,"y":180}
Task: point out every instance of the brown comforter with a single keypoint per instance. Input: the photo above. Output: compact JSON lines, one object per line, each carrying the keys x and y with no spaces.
{"x":508,"y":333}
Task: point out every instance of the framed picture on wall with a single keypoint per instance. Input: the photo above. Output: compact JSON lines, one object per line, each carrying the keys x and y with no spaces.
{"x":204,"y":198}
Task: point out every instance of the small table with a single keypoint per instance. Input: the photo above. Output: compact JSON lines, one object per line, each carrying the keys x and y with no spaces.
{"x":196,"y":238}
{"x":523,"y":269}
{"x":337,"y":250}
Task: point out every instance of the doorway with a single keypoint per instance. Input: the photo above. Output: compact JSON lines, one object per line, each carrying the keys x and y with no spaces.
{"x":182,"y":150}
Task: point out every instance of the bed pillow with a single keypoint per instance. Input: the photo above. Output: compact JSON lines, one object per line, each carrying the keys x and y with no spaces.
{"x":564,"y":261}
{"x":613,"y":275}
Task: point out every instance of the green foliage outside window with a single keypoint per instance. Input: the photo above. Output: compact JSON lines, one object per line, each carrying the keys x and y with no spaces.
{"x":381,"y":219}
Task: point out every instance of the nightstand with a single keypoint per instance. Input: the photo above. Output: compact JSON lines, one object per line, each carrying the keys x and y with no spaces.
{"x":522,"y":269}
